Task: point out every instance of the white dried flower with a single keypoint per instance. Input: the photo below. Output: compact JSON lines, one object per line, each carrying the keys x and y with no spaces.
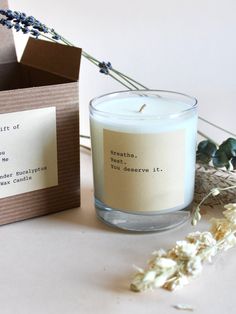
{"x":196,"y":216}
{"x":137,"y":283}
{"x":230,"y":212}
{"x":172,"y":269}
{"x":202,"y":239}
{"x":138,"y":269}
{"x":207,"y":254}
{"x":194,"y":266}
{"x":143,"y":282}
{"x":220,"y":228}
{"x":184,"y":307}
{"x":207,"y":239}
{"x":215,"y":192}
{"x":177,"y":283}
{"x":228,"y":243}
{"x":193,"y":237}
{"x":160,"y":280}
{"x":165,"y":262}
{"x":149,"y":276}
{"x":230,"y":206}
{"x":185,"y":250}
{"x":159,"y":253}
{"x":206,"y":244}
{"x":151,"y":279}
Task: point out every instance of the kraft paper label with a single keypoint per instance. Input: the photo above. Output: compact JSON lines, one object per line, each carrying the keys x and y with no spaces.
{"x":28,"y":151}
{"x":144,"y":172}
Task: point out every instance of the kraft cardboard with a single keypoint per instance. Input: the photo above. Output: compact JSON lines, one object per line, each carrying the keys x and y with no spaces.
{"x":46,"y":77}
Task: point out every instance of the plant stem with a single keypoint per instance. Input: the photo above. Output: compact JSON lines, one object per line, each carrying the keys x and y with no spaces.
{"x":49,"y":38}
{"x":129,"y":78}
{"x":207,"y":137}
{"x":119,"y":76}
{"x":197,"y":209}
{"x":85,"y":147}
{"x":125,"y":79}
{"x":85,"y":136}
{"x":227,"y":188}
{"x":216,"y":126}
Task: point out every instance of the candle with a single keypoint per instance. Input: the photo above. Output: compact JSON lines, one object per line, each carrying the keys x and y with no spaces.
{"x":143,"y":148}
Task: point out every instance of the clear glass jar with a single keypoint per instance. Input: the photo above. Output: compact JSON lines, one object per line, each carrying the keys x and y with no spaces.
{"x":143,"y":149}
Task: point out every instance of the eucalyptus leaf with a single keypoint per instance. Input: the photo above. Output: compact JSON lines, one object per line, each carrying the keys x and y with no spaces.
{"x":220,"y":159}
{"x":233,"y":161}
{"x":229,"y":147}
{"x":203,"y":158}
{"x":207,"y":148}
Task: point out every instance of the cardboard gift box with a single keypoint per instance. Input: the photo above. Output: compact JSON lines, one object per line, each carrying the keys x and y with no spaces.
{"x":39,"y":128}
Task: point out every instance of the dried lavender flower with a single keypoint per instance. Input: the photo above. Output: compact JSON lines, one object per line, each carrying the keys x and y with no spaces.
{"x":35,"y":33}
{"x":25,"y":30}
{"x":6,"y":23}
{"x":21,"y":22}
{"x":56,"y":36}
{"x":105,"y":67}
{"x":17,"y":27}
{"x":30,"y":25}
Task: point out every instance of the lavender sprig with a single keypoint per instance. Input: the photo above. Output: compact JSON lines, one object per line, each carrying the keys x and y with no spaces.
{"x":20,"y":22}
{"x":29,"y":25}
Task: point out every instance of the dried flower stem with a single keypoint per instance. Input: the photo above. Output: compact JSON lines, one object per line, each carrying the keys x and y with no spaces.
{"x":206,"y":136}
{"x":29,"y":25}
{"x":85,"y":147}
{"x":217,"y":126}
{"x":172,"y":269}
{"x":196,"y":215}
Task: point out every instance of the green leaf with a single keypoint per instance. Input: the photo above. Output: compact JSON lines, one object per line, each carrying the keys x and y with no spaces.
{"x":207,"y":148}
{"x":220,"y":159}
{"x":233,"y":161}
{"x":229,"y":147}
{"x":203,"y":158}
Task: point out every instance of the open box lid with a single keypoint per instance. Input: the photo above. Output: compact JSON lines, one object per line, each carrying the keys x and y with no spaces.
{"x":7,"y":45}
{"x":57,"y":59}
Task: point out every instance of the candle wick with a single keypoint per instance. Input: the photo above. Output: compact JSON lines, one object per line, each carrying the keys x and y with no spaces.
{"x":143,"y":106}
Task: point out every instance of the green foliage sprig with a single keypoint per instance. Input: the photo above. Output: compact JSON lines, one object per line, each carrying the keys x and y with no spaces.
{"x":221,"y":156}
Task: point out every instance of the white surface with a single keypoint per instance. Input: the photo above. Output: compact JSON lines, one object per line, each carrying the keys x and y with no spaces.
{"x":184,"y":45}
{"x":71,"y":263}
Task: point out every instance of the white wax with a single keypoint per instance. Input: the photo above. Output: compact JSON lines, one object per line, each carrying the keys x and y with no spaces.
{"x":160,"y":115}
{"x":129,"y":107}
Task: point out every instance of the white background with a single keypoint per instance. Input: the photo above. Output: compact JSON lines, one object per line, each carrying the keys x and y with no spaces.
{"x":181,"y":45}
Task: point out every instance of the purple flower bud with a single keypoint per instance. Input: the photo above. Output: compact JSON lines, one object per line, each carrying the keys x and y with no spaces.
{"x":40,"y":27}
{"x":105,"y":67}
{"x":25,"y":30}
{"x":56,"y":36}
{"x":35,"y":33}
{"x":3,"y":12}
{"x":17,"y":27}
{"x":104,"y":71}
{"x":109,"y":65}
{"x":8,"y":24}
{"x":10,"y":15}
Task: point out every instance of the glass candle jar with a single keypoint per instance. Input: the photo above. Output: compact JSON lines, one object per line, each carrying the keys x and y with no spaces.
{"x":143,"y":150}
